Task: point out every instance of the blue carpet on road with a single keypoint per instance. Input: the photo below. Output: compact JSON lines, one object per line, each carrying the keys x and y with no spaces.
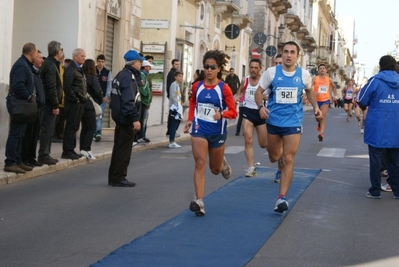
{"x":239,"y":219}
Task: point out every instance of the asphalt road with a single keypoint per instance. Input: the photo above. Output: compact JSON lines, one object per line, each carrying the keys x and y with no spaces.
{"x":73,"y":218}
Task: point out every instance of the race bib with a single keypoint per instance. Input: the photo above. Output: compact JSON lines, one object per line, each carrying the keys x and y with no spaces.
{"x":206,"y":112}
{"x":250,"y":93}
{"x":286,"y":95}
{"x":349,"y":94}
{"x":322,"y":90}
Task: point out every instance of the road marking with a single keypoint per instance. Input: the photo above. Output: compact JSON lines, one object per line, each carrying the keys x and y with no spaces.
{"x":332,"y":152}
{"x":364,"y":156}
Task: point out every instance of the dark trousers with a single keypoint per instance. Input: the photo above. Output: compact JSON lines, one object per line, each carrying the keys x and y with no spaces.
{"x":174,"y":125}
{"x":121,"y":152}
{"x":60,"y":123}
{"x":14,"y":142}
{"x":29,"y":141}
{"x":239,"y":122}
{"x":392,"y":165}
{"x":168,"y":125}
{"x":88,"y":129}
{"x":73,"y":114}
{"x":46,"y":131}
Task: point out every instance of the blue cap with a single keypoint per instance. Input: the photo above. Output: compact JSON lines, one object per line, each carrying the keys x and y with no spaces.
{"x":132,"y":55}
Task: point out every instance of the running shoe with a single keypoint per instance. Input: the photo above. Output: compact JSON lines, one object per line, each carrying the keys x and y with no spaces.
{"x":281,"y":205}
{"x":250,"y":172}
{"x":90,"y":155}
{"x":320,"y":136}
{"x":226,"y":170}
{"x":347,"y":119}
{"x":141,"y":141}
{"x":371,"y":196}
{"x":318,"y":128}
{"x":197,"y":206}
{"x":386,"y":187}
{"x":278,"y":177}
{"x":361,"y":131}
{"x":174,"y":145}
{"x":84,"y":153}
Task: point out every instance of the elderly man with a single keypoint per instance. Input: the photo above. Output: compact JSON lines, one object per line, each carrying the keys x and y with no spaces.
{"x":22,"y":87}
{"x":75,"y":91}
{"x":126,"y":116}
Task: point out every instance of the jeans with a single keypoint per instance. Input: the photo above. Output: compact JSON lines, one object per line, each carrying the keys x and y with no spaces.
{"x":14,"y":142}
{"x":99,"y":120}
{"x":143,"y":120}
{"x":46,"y":131}
{"x":392,"y":165}
{"x":174,"y":125}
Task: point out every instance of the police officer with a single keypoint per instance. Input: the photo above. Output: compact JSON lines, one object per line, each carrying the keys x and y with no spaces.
{"x":126,"y":116}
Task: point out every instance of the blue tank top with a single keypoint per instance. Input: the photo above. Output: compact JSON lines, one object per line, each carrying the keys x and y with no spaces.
{"x":285,"y":99}
{"x":207,"y":100}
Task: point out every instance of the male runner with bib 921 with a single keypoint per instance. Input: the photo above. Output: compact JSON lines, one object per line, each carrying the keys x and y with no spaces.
{"x":284,"y":113}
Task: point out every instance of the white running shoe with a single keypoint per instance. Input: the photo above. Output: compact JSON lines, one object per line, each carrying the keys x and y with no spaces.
{"x":197,"y":206}
{"x":84,"y":153}
{"x":361,"y":131}
{"x":386,"y":187}
{"x":226,"y":170}
{"x":250,"y":172}
{"x":174,"y":145}
{"x":90,"y":155}
{"x":281,"y":205}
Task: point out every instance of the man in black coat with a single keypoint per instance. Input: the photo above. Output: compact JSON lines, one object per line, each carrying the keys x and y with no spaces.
{"x":22,"y":87}
{"x":29,"y":142}
{"x":75,"y":91}
{"x":126,"y":116}
{"x":50,"y":75}
{"x":233,"y":81}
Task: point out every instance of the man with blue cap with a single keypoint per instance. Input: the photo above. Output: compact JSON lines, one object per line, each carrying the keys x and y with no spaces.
{"x":126,"y":114}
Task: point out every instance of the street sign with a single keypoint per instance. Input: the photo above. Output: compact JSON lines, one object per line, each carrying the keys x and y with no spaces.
{"x":259,"y":38}
{"x":271,"y":51}
{"x":255,"y":53}
{"x":232,"y":31}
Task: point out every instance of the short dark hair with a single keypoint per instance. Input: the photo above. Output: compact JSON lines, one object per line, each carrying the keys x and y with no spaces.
{"x":147,"y":57}
{"x":292,"y":43}
{"x":174,"y":60}
{"x":278,"y":56}
{"x":27,"y":48}
{"x":178,"y":73}
{"x":322,"y":64}
{"x":231,"y":69}
{"x":257,"y":60}
{"x":67,"y":60}
{"x":387,"y":63}
{"x":100,"y":57}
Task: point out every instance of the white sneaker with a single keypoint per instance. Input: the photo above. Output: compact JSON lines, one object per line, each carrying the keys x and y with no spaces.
{"x":134,"y":144}
{"x":250,"y":172}
{"x":90,"y":155}
{"x":84,"y":153}
{"x":281,"y":205}
{"x":361,"y":131}
{"x":226,"y":169}
{"x":141,"y":141}
{"x":174,"y":145}
{"x":386,"y":187}
{"x":197,"y":206}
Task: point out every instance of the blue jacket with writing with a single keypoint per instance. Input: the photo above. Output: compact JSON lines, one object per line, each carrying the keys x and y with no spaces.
{"x":381,"y":96}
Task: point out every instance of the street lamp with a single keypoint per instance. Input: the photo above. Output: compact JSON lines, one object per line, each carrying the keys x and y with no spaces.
{"x":281,"y":29}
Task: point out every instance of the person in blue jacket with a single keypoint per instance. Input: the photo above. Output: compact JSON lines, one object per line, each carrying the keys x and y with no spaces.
{"x":381,"y":131}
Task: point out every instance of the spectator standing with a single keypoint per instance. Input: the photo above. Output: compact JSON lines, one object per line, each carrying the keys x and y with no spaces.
{"x":50,"y":75}
{"x":89,"y":114}
{"x":146,"y":98}
{"x":22,"y":87}
{"x":127,"y":118}
{"x":381,"y":132}
{"x":105,"y":79}
{"x":29,"y":142}
{"x":175,"y":109}
{"x":233,"y":81}
{"x":75,"y":91}
{"x":169,"y":80}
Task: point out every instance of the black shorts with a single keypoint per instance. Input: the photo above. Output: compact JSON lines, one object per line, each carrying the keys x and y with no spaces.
{"x":253,"y":116}
{"x":348,"y":101}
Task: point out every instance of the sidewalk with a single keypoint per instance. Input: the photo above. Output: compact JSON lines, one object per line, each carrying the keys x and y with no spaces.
{"x":101,"y":150}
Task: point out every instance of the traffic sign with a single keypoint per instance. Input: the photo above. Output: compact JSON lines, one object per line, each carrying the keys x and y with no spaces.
{"x":232,"y":31}
{"x":271,"y":51}
{"x":259,"y":38}
{"x":255,"y":53}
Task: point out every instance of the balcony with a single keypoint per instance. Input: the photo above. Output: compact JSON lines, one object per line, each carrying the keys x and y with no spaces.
{"x":225,"y":8}
{"x":293,"y":21}
{"x":241,"y":20}
{"x":302,"y":33}
{"x":279,"y":7}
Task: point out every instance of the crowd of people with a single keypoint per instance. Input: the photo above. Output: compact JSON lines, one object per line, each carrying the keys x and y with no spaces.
{"x":270,"y":103}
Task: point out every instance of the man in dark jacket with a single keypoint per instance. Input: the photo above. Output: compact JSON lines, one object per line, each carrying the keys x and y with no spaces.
{"x":22,"y":87}
{"x":233,"y":81}
{"x":52,"y":85}
{"x":75,"y":91}
{"x":29,"y":142}
{"x":126,"y":117}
